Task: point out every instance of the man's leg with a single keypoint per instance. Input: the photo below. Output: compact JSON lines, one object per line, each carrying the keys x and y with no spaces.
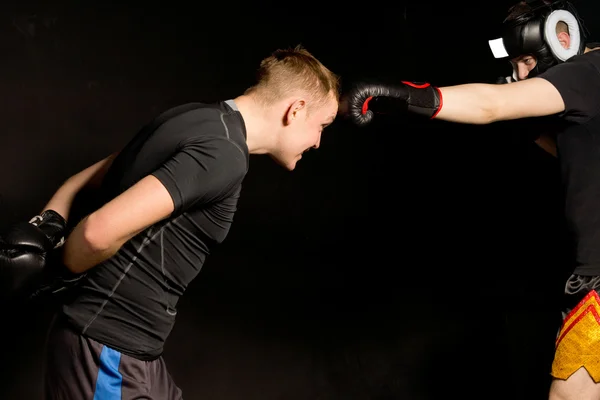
{"x":579,"y":386}
{"x":163,"y":385}
{"x":79,"y":368}
{"x":70,"y":368}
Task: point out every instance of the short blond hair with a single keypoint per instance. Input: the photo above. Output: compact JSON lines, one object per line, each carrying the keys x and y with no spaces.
{"x":294,"y":70}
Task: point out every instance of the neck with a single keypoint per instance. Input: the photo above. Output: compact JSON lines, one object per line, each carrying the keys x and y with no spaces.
{"x":259,"y":128}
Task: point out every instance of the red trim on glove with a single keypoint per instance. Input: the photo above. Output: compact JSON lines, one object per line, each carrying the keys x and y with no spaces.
{"x":426,"y":85}
{"x":365,"y":106}
{"x":423,"y":86}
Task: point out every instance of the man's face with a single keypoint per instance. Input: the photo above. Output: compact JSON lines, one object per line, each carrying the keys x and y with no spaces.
{"x":304,"y":132}
{"x":523,"y":65}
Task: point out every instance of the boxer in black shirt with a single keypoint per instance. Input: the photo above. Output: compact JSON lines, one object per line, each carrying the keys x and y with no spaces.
{"x":556,"y":75}
{"x":167,"y":199}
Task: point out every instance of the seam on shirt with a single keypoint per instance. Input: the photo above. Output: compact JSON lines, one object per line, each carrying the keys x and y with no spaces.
{"x":168,"y":309}
{"x":227,"y":133}
{"x":162,"y":251}
{"x":227,"y":137}
{"x":222,"y":116}
{"x":149,"y":238}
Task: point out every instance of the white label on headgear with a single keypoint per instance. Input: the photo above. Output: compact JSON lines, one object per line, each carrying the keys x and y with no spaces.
{"x":498,"y":49}
{"x":552,"y":39}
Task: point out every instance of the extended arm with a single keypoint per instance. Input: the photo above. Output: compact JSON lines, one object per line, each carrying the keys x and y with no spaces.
{"x":486,"y":103}
{"x":473,"y":103}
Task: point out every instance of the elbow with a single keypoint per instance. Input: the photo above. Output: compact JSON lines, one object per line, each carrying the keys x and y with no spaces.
{"x":95,"y":235}
{"x":88,"y":244}
{"x":489,"y":116}
{"x":490,"y":112}
{"x":85,"y":243}
{"x":493,"y":108}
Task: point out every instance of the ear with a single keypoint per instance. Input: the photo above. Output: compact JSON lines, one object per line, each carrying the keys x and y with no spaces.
{"x":294,"y":111}
{"x":564,"y":39}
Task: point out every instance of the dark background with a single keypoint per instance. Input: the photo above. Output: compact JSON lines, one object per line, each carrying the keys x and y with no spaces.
{"x":411,"y":260}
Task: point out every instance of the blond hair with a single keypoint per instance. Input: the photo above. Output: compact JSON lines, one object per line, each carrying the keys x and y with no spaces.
{"x":288,"y":71}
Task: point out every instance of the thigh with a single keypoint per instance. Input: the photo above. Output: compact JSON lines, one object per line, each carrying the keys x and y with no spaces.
{"x":576,"y":364}
{"x":70,"y":365}
{"x":578,"y":386}
{"x":163,"y":386}
{"x":146,"y":380}
{"x":79,"y":368}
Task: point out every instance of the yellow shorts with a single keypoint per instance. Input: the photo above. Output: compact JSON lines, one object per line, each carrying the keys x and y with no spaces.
{"x":578,"y":342}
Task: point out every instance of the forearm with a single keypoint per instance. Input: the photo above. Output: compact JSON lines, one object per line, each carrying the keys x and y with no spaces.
{"x":93,"y":241}
{"x":468,"y":104}
{"x":81,"y":253}
{"x":63,"y":198}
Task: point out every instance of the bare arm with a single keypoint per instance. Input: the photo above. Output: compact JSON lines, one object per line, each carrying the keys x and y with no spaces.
{"x":486,"y":103}
{"x":101,"y":234}
{"x":63,"y":198}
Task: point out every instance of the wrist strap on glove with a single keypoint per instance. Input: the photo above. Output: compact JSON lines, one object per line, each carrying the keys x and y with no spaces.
{"x":424,"y":99}
{"x":53,"y":225}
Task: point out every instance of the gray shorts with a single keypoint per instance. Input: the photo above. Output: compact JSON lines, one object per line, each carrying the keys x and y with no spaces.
{"x":576,"y":288}
{"x":79,"y":368}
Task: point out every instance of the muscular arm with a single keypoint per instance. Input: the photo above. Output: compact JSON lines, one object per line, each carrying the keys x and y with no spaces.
{"x":91,"y":177}
{"x":486,"y":103}
{"x":101,"y":234}
{"x":198,"y":172}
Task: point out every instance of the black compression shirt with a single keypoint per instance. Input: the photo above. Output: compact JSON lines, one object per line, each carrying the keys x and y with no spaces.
{"x":578,"y":142}
{"x":199,"y":153}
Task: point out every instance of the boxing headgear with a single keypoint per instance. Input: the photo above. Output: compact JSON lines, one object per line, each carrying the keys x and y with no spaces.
{"x":535,"y":33}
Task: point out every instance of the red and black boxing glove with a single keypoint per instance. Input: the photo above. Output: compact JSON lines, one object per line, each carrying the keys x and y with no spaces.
{"x":362,"y":101}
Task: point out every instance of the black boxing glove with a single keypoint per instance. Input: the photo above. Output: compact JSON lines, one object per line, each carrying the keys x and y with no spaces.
{"x":24,"y":249}
{"x":361,"y":102}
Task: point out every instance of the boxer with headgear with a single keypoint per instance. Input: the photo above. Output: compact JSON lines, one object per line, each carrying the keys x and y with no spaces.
{"x":556,"y":75}
{"x":531,"y":37}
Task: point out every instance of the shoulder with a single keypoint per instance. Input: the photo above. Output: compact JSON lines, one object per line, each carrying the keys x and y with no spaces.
{"x":581,"y":69}
{"x":191,"y":114}
{"x":589,"y":60}
{"x":591,"y":56}
{"x":578,"y":82}
{"x":211,"y":121}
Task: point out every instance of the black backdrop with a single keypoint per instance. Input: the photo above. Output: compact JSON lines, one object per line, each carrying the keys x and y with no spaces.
{"x":411,"y":260}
